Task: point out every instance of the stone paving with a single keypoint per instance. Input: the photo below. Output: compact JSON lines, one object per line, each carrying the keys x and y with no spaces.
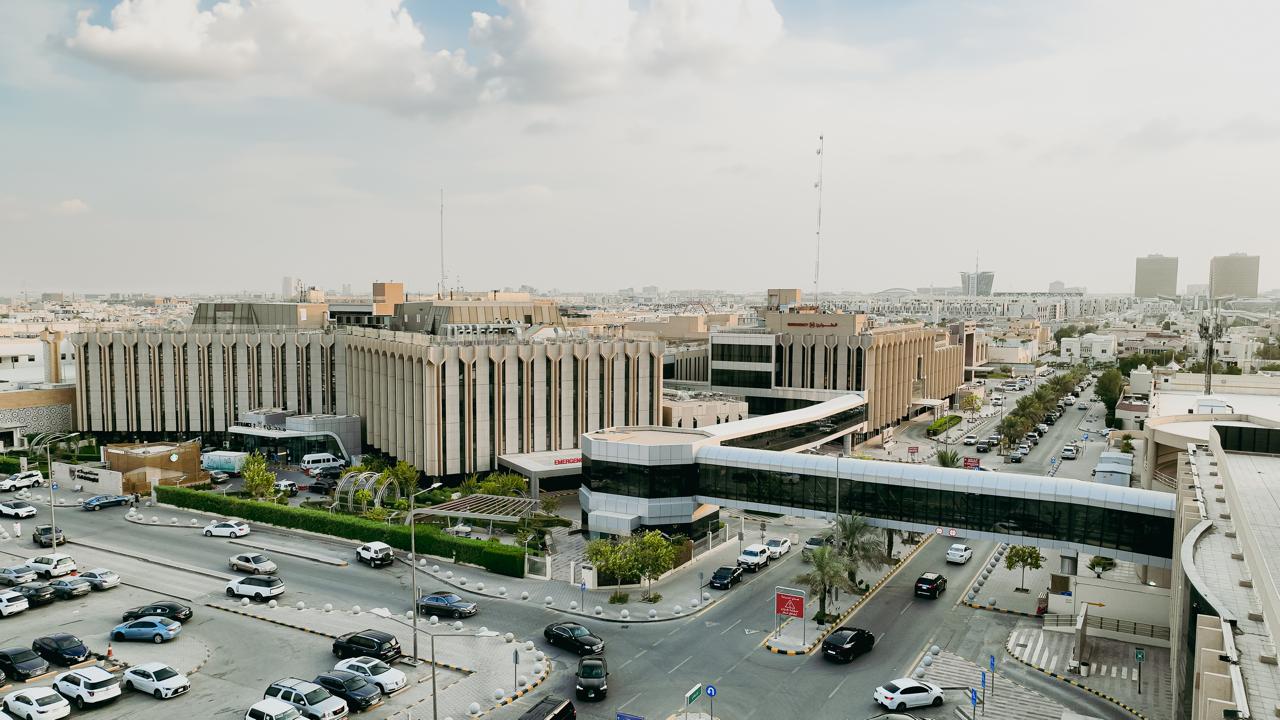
{"x":1008,"y":700}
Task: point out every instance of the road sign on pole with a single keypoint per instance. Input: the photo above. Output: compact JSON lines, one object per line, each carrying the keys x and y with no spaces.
{"x":711,"y":698}
{"x":991,"y":663}
{"x":692,"y":694}
{"x":54,"y":486}
{"x":913,"y":449}
{"x":1140,"y":654}
{"x":789,"y":605}
{"x":626,"y":716}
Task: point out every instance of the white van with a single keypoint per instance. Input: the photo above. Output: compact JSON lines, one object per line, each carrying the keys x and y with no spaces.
{"x":315,"y":461}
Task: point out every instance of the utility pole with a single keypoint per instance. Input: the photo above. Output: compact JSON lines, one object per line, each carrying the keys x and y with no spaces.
{"x":817,"y":255}
{"x":442,"y":281}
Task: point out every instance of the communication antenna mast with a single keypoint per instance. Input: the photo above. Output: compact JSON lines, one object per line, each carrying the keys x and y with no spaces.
{"x":440,"y":290}
{"x":817,"y":255}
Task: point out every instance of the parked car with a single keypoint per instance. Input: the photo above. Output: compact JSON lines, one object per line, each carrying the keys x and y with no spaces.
{"x":970,"y":440}
{"x":37,"y":703}
{"x":906,"y":693}
{"x":17,"y":509}
{"x":551,"y":707}
{"x":355,"y":690}
{"x":1070,"y":452}
{"x":725,"y":577}
{"x":19,"y":663}
{"x":1082,"y":406}
{"x":445,"y":603}
{"x":27,"y":479}
{"x":754,"y":557}
{"x":12,"y":603}
{"x":847,"y":643}
{"x":101,"y":578}
{"x":1024,"y":448}
{"x":367,"y":643}
{"x":87,"y":686}
{"x":36,"y":593}
{"x":66,"y":588}
{"x":778,"y":547}
{"x":931,"y":584}
{"x":1015,"y":456}
{"x":167,"y":609}
{"x":153,"y":629}
{"x":375,"y":554}
{"x":312,"y":700}
{"x":959,"y":553}
{"x":218,"y":477}
{"x":814,"y":543}
{"x":16,"y":575}
{"x":288,"y":487}
{"x":386,"y":678}
{"x":323,"y":486}
{"x":61,"y":648}
{"x":226,"y":528}
{"x":52,"y":565}
{"x":47,"y":535}
{"x":573,"y":636}
{"x":255,"y":563}
{"x":157,"y":680}
{"x":258,"y":587}
{"x":97,"y":502}
{"x":997,"y":402}
{"x":272,"y":709}
{"x":1042,"y":429}
{"x":592,"y":678}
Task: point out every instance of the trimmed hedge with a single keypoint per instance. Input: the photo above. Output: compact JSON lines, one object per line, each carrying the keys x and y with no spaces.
{"x":502,"y":559}
{"x":9,"y":465}
{"x":943,"y":424}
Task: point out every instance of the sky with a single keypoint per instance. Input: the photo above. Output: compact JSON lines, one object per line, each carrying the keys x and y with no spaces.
{"x":197,"y":146}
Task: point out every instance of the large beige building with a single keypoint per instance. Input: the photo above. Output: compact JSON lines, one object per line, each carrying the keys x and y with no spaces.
{"x":1155,"y":275}
{"x":1235,"y":274}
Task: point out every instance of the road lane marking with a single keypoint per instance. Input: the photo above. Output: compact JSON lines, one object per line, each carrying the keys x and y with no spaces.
{"x":626,"y":663}
{"x":674,"y":631}
{"x":682,"y":662}
{"x":659,"y":642}
{"x":734,"y":625}
{"x":837,"y":689}
{"x":633,"y":699}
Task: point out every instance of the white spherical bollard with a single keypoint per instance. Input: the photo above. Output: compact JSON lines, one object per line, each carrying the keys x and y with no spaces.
{"x":355,"y":609}
{"x":599,"y":610}
{"x":482,"y":630}
{"x":706,"y":597}
{"x":244,"y":602}
{"x":473,"y":709}
{"x":522,"y":681}
{"x":624,"y":614}
{"x":194,"y":522}
{"x":502,"y":592}
{"x":448,"y":575}
{"x":462,"y":581}
{"x":155,"y":519}
{"x":934,"y":650}
{"x":498,"y":694}
{"x":457,"y":624}
{"x":693,"y":603}
{"x":434,"y":620}
{"x":539,"y":656}
{"x":434,"y":568}
{"x":479,"y":586}
{"x":524,"y":595}
{"x":548,"y":600}
{"x":509,"y":637}
{"x":653,"y":614}
{"x":173,"y":522}
{"x":272,"y":603}
{"x":300,"y":605}
{"x":423,"y":563}
{"x":408,"y":615}
{"x":529,"y":646}
{"x":927,"y":661}
{"x":677,"y":610}
{"x":573,"y":604}
{"x":328,"y":607}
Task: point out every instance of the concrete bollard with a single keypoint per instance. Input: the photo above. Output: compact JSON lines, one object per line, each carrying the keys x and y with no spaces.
{"x":473,"y":709}
{"x":706,"y":597}
{"x":991,"y":602}
{"x":528,"y":645}
{"x":328,"y":607}
{"x":173,"y":522}
{"x":919,"y":673}
{"x":548,"y":600}
{"x":448,"y":574}
{"x":300,"y":605}
{"x":677,"y":610}
{"x":573,"y":604}
{"x":509,"y":637}
{"x":934,"y":650}
{"x":422,"y":563}
{"x":693,"y":603}
{"x":539,"y":656}
{"x":434,"y":620}
{"x":482,"y":630}
{"x":244,"y":602}
{"x":498,"y":694}
{"x":522,"y":681}
{"x":480,"y":587}
{"x":462,"y":581}
{"x":599,"y":610}
{"x":457,"y":624}
{"x":524,"y":595}
{"x":194,"y":522}
{"x":927,"y":661}
{"x":971,"y":596}
{"x":625,"y":614}
{"x":434,"y":568}
{"x":355,"y":609}
{"x":155,"y":519}
{"x":272,"y":603}
{"x":502,"y":592}
{"x":653,"y":614}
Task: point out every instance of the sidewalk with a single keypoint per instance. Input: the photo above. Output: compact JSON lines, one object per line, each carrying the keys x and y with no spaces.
{"x":1008,"y":701}
{"x":998,"y":593}
{"x":1113,"y":672}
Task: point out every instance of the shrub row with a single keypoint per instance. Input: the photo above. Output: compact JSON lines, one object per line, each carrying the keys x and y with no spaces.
{"x":9,"y":465}
{"x":943,"y":424}
{"x":496,"y":557}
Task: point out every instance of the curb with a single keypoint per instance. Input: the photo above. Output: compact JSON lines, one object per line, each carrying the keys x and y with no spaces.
{"x":155,"y":561}
{"x":291,"y":553}
{"x":989,"y":608}
{"x":1109,"y":698}
{"x":521,"y":693}
{"x":833,"y":626}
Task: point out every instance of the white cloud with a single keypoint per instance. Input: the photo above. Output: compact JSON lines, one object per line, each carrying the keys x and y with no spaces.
{"x":706,"y":35}
{"x":72,"y":206}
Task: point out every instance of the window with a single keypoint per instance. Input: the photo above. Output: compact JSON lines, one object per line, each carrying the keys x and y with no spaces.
{"x":741,"y":378}
{"x":742,"y":353}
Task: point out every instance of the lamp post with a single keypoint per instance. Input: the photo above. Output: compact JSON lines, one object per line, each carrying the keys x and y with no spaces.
{"x":434,"y":709}
{"x":47,"y":441}
{"x":413,"y":574}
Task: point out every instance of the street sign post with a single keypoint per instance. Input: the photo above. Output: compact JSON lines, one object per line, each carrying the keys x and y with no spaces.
{"x":971,"y":463}
{"x":913,"y":449}
{"x":626,"y":716}
{"x":515,"y":670}
{"x":991,"y":664}
{"x":984,"y":691}
{"x":54,"y":486}
{"x":690,"y":696}
{"x":1140,"y":655}
{"x":582,"y":593}
{"x":789,"y":602}
{"x":711,"y":698}
{"x":973,"y":702}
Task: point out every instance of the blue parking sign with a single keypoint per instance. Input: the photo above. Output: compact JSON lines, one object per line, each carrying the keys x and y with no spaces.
{"x":991,"y":662}
{"x":54,"y":486}
{"x":984,"y":679}
{"x":973,"y":697}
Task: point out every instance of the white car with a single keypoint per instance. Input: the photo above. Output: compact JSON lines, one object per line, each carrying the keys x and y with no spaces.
{"x":12,"y":602}
{"x":37,"y":703}
{"x":959,"y":554}
{"x":226,"y":528}
{"x":17,"y":481}
{"x":906,"y":693}
{"x":1070,"y":452}
{"x":778,"y":547}
{"x":754,"y":557}
{"x":253,"y":563}
{"x":272,"y":709}
{"x":156,"y":679}
{"x":101,"y":578}
{"x":87,"y":686}
{"x":52,"y":565}
{"x":17,"y":509}
{"x":257,"y":587}
{"x":970,"y":439}
{"x":387,"y":678}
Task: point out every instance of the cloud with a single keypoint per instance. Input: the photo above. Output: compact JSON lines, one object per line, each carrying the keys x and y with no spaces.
{"x":21,"y":209}
{"x":365,"y":51}
{"x":72,"y":206}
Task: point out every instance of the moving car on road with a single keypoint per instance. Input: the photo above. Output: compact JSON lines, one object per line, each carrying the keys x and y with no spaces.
{"x":848,"y":643}
{"x":983,"y":447}
{"x":814,"y":543}
{"x":551,"y":707}
{"x":17,"y":509}
{"x":368,"y":643}
{"x":970,"y":439}
{"x":87,"y":686}
{"x":157,"y":680}
{"x":375,"y":554}
{"x":36,"y":703}
{"x":97,"y":502}
{"x":572,"y":636}
{"x":725,"y":577}
{"x":258,"y":587}
{"x":61,"y":648}
{"x":386,"y":678}
{"x":754,"y":557}
{"x":778,"y":547}
{"x":153,"y":629}
{"x":167,"y":609}
{"x":101,"y":578}
{"x":931,"y":584}
{"x":226,"y":528}
{"x":255,"y":563}
{"x":592,"y":678}
{"x":959,"y":554}
{"x":906,"y":693}
{"x":47,"y":535}
{"x":444,"y":603}
{"x":17,"y":481}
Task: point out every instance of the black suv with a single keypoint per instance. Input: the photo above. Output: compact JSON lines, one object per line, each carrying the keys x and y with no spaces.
{"x":371,"y":643}
{"x":358,"y":692}
{"x":847,"y":643}
{"x":36,"y":593}
{"x":931,"y":584}
{"x":167,"y":609}
{"x":724,"y":578}
{"x":43,"y":536}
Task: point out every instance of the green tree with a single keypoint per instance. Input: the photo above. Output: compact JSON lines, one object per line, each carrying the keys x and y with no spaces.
{"x":614,"y":559}
{"x":829,"y":571}
{"x":654,"y":555}
{"x":503,"y":484}
{"x":861,"y":545}
{"x":549,"y":504}
{"x":971,"y":403}
{"x":1109,"y":388}
{"x":405,"y":476}
{"x":948,"y":458}
{"x":1066,"y":331}
{"x":470,"y":486}
{"x":1023,"y":556}
{"x":259,"y":482}
{"x":363,"y":497}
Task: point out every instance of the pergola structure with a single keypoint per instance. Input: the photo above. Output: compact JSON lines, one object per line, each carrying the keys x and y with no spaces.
{"x":494,"y":508}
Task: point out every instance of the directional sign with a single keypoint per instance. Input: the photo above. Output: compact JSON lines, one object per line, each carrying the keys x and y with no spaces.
{"x":711,"y":691}
{"x":1140,"y":654}
{"x":54,"y":486}
{"x":991,"y":662}
{"x":973,"y":697}
{"x":693,"y":694}
{"x":789,"y":605}
{"x":582,"y":587}
{"x":984,"y":679}
{"x":913,"y":449}
{"x":625,"y":716}
{"x":1053,"y":461}
{"x":972,"y":462}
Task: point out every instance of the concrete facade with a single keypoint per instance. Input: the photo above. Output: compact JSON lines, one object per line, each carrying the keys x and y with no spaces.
{"x":1155,"y":275}
{"x":1235,"y":274}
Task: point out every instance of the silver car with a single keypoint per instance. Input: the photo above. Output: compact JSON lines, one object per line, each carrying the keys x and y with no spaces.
{"x":101,"y":578}
{"x":16,"y":575}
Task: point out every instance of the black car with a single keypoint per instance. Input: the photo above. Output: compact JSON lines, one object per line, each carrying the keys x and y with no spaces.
{"x":847,"y":643}
{"x":931,"y":584}
{"x":323,"y":485}
{"x":444,"y":603}
{"x":983,"y":447}
{"x":358,"y":692}
{"x":61,"y":649}
{"x":724,"y":578}
{"x":593,"y":678}
{"x":572,"y":636}
{"x":21,"y":663}
{"x":70,"y":587}
{"x":371,"y":643}
{"x":167,"y":609}
{"x":551,"y":708}
{"x":43,"y":536}
{"x":36,"y":593}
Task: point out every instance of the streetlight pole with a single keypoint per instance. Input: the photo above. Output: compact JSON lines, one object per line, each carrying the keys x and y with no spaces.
{"x":413,"y":583}
{"x":47,"y":442}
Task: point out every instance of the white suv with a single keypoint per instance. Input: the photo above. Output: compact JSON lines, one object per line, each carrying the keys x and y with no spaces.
{"x":52,"y":565}
{"x":754,"y":557}
{"x":87,"y":686}
{"x":30,"y":478}
{"x":314,"y":701}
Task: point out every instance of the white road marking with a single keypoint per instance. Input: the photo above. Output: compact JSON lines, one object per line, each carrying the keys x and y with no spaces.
{"x":837,"y":689}
{"x":682,"y":662}
{"x":633,"y":699}
{"x":735,"y":624}
{"x":1124,"y":673}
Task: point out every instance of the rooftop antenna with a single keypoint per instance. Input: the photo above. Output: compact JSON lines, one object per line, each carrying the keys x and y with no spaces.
{"x":817,"y":255}
{"x":440,"y":289}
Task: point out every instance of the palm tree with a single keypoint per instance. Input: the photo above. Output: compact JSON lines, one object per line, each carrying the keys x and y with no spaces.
{"x":860,"y":544}
{"x":948,"y":458}
{"x":829,"y":571}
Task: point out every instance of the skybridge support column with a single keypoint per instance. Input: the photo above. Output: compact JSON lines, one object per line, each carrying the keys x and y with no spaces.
{"x":1068,"y":563}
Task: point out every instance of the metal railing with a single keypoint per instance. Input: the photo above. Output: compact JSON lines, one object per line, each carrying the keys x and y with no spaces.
{"x":1165,"y":480}
{"x":1123,"y":627}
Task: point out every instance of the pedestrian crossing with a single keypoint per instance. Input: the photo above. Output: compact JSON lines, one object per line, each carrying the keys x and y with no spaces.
{"x":1007,"y":701}
{"x":1052,"y":651}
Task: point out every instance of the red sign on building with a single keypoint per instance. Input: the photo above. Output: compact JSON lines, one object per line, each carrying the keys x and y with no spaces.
{"x":789,"y":605}
{"x":971,"y":463}
{"x":913,"y":449}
